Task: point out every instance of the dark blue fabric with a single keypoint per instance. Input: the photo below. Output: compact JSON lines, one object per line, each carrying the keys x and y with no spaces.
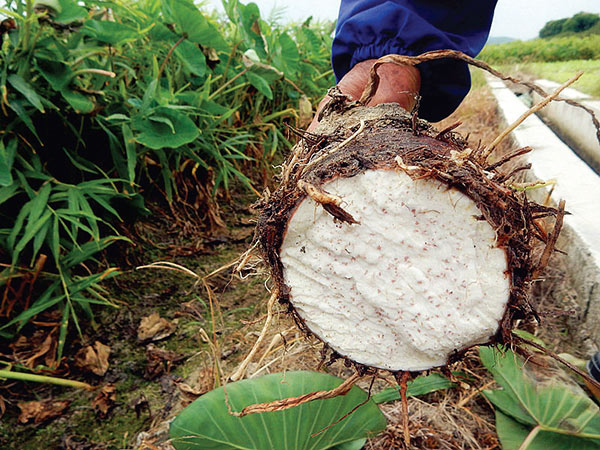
{"x":373,"y":28}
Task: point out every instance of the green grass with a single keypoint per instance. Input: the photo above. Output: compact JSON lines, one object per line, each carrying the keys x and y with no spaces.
{"x":562,"y":71}
{"x":563,"y":48}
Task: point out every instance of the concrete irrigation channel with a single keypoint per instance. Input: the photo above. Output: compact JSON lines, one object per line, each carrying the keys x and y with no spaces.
{"x":574,"y":180}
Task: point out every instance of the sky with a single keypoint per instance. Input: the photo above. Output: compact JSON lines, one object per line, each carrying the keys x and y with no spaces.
{"x":519,"y":19}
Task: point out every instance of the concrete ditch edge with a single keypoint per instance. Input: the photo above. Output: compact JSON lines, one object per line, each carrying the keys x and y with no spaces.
{"x":578,"y":185}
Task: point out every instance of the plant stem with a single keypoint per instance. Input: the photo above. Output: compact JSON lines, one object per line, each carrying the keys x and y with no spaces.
{"x":27,"y":31}
{"x":44,"y":379}
{"x":164,"y":64}
{"x":227,"y":83}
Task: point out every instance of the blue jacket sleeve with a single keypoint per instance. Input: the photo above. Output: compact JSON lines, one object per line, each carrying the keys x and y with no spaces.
{"x":373,"y":28}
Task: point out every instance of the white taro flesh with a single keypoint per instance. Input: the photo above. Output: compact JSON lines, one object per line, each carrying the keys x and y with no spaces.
{"x":419,"y":278}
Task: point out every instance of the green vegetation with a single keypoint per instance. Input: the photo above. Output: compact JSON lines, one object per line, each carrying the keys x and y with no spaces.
{"x":565,"y":48}
{"x":562,"y":71}
{"x":535,"y":415}
{"x":319,"y":424}
{"x":107,"y":105}
{"x":579,"y":23}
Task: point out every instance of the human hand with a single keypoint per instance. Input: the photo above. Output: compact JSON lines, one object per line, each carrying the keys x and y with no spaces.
{"x":398,"y":84}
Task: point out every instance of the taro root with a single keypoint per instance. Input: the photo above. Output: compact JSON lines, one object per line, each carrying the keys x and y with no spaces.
{"x":397,"y":246}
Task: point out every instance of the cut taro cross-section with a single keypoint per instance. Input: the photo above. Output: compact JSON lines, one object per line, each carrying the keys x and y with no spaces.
{"x":396,"y":246}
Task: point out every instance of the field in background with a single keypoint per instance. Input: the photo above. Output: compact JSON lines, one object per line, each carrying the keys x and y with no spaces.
{"x":560,"y":72}
{"x":556,"y":58}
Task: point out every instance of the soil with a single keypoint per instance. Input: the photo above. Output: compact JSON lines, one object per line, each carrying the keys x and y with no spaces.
{"x":153,"y":380}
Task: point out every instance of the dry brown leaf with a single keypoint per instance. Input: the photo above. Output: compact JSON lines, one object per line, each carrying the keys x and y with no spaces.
{"x":155,"y":328}
{"x":40,"y":411}
{"x":94,"y":358}
{"x":305,"y":112}
{"x":157,"y":357}
{"x":2,"y":406}
{"x":27,"y":351}
{"x":105,"y":400}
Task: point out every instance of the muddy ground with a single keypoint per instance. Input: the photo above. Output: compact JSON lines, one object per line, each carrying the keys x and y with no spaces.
{"x":175,"y":335}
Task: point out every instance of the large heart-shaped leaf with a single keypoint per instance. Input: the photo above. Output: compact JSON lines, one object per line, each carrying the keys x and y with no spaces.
{"x":206,"y":423}
{"x":193,"y":24}
{"x":556,"y":413}
{"x":57,"y":73}
{"x":166,"y":128}
{"x":113,"y":33}
{"x":70,"y":12}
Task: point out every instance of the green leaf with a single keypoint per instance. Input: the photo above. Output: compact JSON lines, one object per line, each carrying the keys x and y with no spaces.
{"x":27,"y":90}
{"x":17,"y":107}
{"x":31,"y":231}
{"x":37,"y":205}
{"x":286,"y":55}
{"x":79,"y":102}
{"x":130,"y":152}
{"x":7,"y":157}
{"x":193,"y":24}
{"x":206,"y":423}
{"x":70,"y":12}
{"x":62,"y":336}
{"x":191,"y":57}
{"x":86,"y":251}
{"x":163,"y":119}
{"x":512,"y":435}
{"x":506,"y":403}
{"x":353,"y":445}
{"x":157,"y":135}
{"x":45,"y":301}
{"x":54,"y":240}
{"x":419,"y":386}
{"x":260,"y":84}
{"x":113,"y":33}
{"x":86,"y":208}
{"x":40,"y":236}
{"x":554,"y":408}
{"x":8,"y":192}
{"x":56,"y":73}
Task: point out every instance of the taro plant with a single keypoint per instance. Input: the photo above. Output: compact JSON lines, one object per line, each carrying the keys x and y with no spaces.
{"x":533,"y":415}
{"x":105,"y":105}
{"x":337,"y":423}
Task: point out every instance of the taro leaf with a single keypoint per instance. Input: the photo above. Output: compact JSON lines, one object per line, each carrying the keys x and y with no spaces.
{"x":113,"y":33}
{"x":192,"y":57}
{"x":79,"y":102}
{"x":56,"y":73}
{"x":7,"y":157}
{"x":419,"y":386}
{"x":260,"y":84}
{"x":286,"y":55}
{"x":353,"y":445}
{"x":557,"y":413}
{"x":70,"y":12}
{"x":27,"y":90}
{"x":155,"y":133}
{"x":206,"y":423}
{"x":512,"y":434}
{"x":192,"y":23}
{"x":187,"y":52}
{"x":130,"y":152}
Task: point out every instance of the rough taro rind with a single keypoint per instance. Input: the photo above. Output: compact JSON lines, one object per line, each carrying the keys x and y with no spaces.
{"x":393,"y":139}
